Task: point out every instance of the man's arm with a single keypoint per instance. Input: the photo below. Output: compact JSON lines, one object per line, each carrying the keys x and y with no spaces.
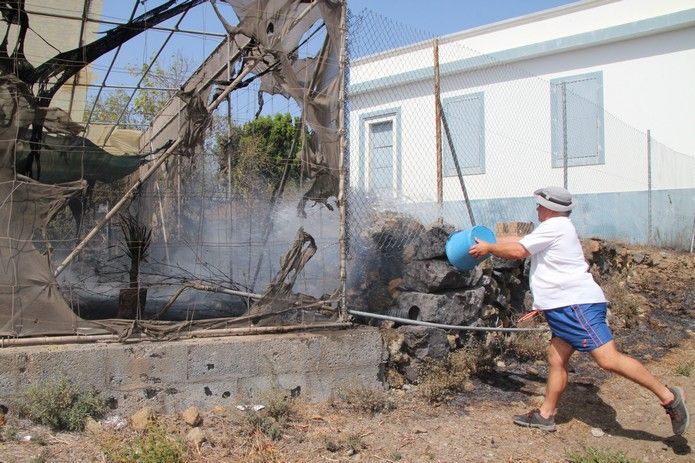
{"x":508,"y":249}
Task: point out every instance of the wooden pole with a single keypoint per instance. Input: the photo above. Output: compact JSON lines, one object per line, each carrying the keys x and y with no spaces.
{"x":342,"y":165}
{"x":438,"y":134}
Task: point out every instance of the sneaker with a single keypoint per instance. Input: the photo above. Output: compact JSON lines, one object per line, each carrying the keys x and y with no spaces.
{"x":677,"y":409}
{"x":533,"y":419}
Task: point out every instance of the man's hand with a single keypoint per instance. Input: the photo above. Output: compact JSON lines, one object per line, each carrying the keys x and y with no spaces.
{"x":480,"y":249}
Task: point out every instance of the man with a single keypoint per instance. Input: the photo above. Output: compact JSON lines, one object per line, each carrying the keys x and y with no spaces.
{"x":575,"y":309}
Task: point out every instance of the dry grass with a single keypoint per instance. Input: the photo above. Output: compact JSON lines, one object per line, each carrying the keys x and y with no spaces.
{"x":262,"y":450}
{"x":441,"y":379}
{"x":352,"y":444}
{"x":626,"y":306}
{"x":527,"y":346}
{"x":366,"y":400}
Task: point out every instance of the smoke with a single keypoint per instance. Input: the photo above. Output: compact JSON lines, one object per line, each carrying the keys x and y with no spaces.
{"x":214,"y":241}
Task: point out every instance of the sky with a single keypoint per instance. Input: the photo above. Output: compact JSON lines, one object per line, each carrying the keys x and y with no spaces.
{"x":430,"y":18}
{"x":441,"y":17}
{"x":424,"y":20}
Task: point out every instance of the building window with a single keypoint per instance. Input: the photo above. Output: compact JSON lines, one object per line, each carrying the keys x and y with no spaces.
{"x":465,"y":116}
{"x":381,"y":151}
{"x":577,"y":120}
{"x":380,"y":169}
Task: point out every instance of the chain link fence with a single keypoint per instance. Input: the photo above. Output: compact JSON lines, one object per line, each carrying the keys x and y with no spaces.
{"x":436,"y":132}
{"x":503,"y":130}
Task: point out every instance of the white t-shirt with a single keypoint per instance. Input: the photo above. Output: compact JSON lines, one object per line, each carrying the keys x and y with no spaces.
{"x":559,"y":273}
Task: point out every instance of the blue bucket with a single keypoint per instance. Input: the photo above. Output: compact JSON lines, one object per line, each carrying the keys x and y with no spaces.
{"x":460,"y":242}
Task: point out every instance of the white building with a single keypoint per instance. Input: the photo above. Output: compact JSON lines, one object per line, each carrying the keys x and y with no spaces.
{"x":583,"y":82}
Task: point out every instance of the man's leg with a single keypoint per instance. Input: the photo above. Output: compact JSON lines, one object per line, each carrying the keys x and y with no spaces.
{"x":559,"y":354}
{"x":672,"y":399}
{"x":608,"y":358}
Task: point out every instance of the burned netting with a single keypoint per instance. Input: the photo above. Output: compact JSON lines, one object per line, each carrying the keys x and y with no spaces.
{"x":265,"y":42}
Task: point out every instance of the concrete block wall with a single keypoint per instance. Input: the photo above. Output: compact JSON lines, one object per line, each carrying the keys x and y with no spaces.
{"x":173,"y":375}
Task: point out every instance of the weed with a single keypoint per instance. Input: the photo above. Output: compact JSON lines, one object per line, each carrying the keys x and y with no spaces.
{"x":685,"y":369}
{"x":527,"y":346}
{"x":395,"y":456}
{"x":41,"y":457}
{"x":10,"y":433}
{"x":262,"y":451}
{"x":332,"y":446}
{"x":441,"y":379}
{"x":626,"y":306}
{"x":594,"y":455}
{"x":254,"y":422}
{"x":153,"y":446}
{"x":354,"y":443}
{"x":61,"y":405}
{"x":40,"y":439}
{"x":278,"y":404}
{"x":439,"y":382}
{"x":366,"y":400}
{"x":429,"y":454}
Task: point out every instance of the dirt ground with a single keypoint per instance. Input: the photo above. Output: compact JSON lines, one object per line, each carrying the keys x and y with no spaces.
{"x":598,"y":411}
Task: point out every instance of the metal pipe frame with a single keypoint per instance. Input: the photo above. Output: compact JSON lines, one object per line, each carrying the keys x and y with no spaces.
{"x":203,"y":333}
{"x":108,"y":71}
{"x":144,"y":74}
{"x":116,"y":23}
{"x":407,"y":321}
{"x":129,"y":87}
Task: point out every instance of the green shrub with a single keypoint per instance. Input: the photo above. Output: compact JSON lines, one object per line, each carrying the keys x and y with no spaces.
{"x":593,"y":455}
{"x":153,"y":446}
{"x":61,"y":405}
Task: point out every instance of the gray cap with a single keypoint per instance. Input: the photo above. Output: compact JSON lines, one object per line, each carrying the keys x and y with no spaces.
{"x":554,"y":198}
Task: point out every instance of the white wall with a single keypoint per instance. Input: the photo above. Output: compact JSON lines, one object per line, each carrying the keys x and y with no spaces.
{"x":646,"y":85}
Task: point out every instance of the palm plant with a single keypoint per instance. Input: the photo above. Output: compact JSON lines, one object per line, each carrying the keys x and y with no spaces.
{"x":137,"y":239}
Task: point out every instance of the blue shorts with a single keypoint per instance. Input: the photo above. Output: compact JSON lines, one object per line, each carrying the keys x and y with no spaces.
{"x":582,"y":326}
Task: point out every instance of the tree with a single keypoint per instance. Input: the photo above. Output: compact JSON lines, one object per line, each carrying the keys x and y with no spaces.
{"x":164,"y":78}
{"x":258,"y":152}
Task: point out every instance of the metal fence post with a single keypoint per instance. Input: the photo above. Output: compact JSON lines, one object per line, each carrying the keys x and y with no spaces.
{"x":650,"y":231}
{"x":564,"y":134}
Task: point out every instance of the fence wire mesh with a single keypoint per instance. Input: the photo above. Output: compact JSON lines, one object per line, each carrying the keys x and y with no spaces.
{"x":229,"y":231}
{"x":221,"y":224}
{"x":513,"y":126}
